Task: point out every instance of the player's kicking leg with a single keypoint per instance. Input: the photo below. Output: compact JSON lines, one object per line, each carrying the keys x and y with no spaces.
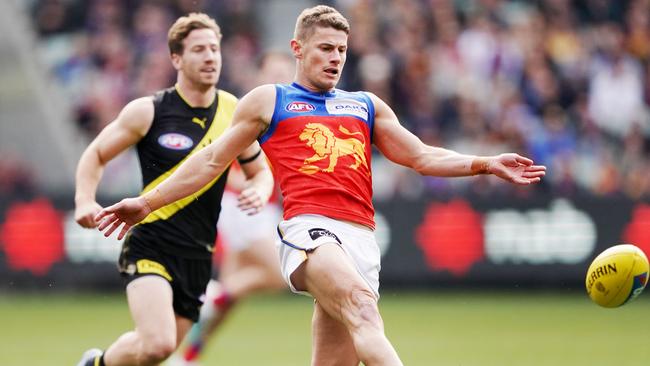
{"x":330,"y":277}
{"x":331,"y":341}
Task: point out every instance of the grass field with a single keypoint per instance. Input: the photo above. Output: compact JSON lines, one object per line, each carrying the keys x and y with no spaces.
{"x":450,"y":328}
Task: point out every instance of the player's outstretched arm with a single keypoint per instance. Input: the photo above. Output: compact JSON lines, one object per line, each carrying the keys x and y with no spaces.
{"x":511,"y":167}
{"x":198,"y":170}
{"x":404,"y":148}
{"x":128,"y":211}
{"x":126,"y":130}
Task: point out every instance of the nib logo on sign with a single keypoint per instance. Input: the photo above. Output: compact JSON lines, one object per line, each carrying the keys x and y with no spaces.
{"x":637,"y":231}
{"x":451,"y":237}
{"x":32,"y":236}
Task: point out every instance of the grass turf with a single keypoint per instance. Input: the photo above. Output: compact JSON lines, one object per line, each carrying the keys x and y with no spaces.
{"x":438,"y":328}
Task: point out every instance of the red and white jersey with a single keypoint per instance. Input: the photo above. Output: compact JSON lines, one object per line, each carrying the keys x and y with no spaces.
{"x":319,"y":145}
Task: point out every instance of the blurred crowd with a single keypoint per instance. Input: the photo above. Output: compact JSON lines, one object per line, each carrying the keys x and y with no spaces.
{"x":564,"y":82}
{"x":108,"y":52}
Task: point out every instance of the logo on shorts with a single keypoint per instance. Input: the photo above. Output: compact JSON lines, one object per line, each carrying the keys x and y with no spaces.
{"x":151,"y":267}
{"x":317,"y":233}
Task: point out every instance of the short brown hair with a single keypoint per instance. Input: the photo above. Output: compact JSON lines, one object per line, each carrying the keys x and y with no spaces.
{"x":186,"y":24}
{"x":319,"y":16}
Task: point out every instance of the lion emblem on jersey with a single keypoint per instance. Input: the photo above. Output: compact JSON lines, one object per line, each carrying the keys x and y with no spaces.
{"x":327,"y":146}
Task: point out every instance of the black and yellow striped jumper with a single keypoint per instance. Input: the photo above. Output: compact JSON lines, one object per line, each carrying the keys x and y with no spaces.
{"x":176,"y":241}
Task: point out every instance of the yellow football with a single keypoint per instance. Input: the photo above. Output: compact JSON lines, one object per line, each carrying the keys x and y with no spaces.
{"x":617,"y":275}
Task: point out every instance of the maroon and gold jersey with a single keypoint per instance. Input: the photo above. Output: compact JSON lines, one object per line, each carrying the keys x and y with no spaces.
{"x":319,"y":145}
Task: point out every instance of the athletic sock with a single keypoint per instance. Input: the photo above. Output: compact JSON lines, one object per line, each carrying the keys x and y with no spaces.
{"x":193,"y":351}
{"x":223,"y":301}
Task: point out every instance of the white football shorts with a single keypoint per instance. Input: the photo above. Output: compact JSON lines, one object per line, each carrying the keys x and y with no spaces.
{"x":239,"y":230}
{"x":303,"y":233}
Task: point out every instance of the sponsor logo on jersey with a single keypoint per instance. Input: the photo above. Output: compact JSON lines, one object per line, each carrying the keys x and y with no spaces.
{"x":200,"y":121}
{"x":299,"y":107}
{"x":175,"y":141}
{"x":347,"y":106}
{"x":318,"y":232}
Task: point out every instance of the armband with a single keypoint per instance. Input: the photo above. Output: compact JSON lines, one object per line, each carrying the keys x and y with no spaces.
{"x":248,"y":160}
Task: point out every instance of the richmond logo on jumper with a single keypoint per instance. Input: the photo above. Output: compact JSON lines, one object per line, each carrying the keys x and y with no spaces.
{"x":347,"y":106}
{"x":299,"y":107}
{"x":175,"y":141}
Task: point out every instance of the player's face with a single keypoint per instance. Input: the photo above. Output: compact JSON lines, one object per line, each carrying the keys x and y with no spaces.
{"x":201,"y":59}
{"x":321,"y":58}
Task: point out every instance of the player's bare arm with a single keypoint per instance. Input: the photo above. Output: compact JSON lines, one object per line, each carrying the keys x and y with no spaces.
{"x":259,"y":178}
{"x":404,"y":148}
{"x":259,"y":183}
{"x":250,"y":119}
{"x":126,"y":130}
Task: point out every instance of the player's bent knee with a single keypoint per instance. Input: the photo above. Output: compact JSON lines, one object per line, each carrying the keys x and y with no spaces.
{"x":154,"y":356}
{"x":156,"y":350}
{"x":362,"y":309}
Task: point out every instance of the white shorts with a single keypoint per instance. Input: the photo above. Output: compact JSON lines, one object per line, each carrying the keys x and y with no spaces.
{"x":239,"y":230}
{"x":304,"y":233}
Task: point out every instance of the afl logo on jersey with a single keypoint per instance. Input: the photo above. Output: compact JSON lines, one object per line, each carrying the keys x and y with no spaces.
{"x":299,"y":107}
{"x":175,"y":141}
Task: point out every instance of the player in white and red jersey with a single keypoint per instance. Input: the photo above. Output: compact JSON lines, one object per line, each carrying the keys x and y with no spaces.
{"x":317,"y":139}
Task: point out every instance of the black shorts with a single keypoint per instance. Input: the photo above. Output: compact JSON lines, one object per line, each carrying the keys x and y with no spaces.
{"x":187,"y":277}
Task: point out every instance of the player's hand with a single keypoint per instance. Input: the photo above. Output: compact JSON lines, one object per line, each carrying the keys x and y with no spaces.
{"x":84,"y":214}
{"x":516,"y":169}
{"x":128,"y":211}
{"x":250,"y":201}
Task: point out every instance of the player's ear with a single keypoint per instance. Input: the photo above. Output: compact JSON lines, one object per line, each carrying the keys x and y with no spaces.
{"x":296,"y":47}
{"x":176,"y":60}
